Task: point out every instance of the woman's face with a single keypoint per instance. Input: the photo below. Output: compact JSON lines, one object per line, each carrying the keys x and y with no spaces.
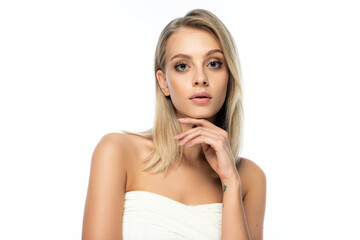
{"x":194,"y":63}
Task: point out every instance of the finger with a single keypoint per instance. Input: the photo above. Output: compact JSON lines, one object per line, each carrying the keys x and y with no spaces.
{"x":191,"y":133}
{"x":200,"y":133}
{"x":197,"y":122}
{"x":192,"y":130}
{"x":204,"y":139}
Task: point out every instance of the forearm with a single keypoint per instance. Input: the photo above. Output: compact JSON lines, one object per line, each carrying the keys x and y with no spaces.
{"x":234,"y":226}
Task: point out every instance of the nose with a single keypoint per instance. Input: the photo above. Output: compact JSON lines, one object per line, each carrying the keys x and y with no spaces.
{"x":200,"y":79}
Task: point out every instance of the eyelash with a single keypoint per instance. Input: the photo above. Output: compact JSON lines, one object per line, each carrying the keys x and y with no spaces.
{"x":182,"y":63}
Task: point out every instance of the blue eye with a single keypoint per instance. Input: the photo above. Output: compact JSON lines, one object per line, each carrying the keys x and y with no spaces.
{"x":215,"y":63}
{"x":181,"y":65}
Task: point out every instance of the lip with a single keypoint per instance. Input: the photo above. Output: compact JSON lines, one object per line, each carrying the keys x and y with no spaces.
{"x":200,"y":100}
{"x":200,"y":97}
{"x":200,"y":94}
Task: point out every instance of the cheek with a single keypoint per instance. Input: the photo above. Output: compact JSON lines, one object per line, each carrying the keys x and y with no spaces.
{"x":178,"y":91}
{"x":222,"y":84}
{"x":176,"y":85}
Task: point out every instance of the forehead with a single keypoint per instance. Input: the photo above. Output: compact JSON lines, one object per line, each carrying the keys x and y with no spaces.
{"x":191,"y":41}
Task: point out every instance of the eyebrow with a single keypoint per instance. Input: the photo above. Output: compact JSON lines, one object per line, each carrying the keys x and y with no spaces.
{"x":180,"y":55}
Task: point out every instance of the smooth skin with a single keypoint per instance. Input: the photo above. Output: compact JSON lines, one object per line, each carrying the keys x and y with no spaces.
{"x":117,"y":159}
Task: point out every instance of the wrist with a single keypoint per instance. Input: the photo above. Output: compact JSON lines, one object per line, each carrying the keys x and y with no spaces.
{"x":234,"y":181}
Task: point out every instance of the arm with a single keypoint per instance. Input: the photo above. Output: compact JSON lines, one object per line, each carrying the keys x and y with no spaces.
{"x":234,"y":225}
{"x":241,"y":219}
{"x":255,"y":198}
{"x":244,"y":216}
{"x":105,"y":196}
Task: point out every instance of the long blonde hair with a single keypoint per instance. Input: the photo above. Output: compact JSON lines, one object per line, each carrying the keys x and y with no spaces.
{"x":230,"y":116}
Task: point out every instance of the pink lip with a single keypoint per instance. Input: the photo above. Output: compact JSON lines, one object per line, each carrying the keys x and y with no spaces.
{"x":200,"y":100}
{"x":200,"y":97}
{"x":200,"y":94}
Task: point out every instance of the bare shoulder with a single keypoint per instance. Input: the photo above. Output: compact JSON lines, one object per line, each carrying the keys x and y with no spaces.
{"x":112,"y":147}
{"x":124,"y":144}
{"x":120,"y":140}
{"x":130,"y":150}
{"x":253,"y":180}
{"x":251,"y":174}
{"x":115,"y":141}
{"x":107,"y":184}
{"x":249,"y":167}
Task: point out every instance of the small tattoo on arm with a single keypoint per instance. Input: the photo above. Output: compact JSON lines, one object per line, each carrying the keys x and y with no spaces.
{"x":224,"y":188}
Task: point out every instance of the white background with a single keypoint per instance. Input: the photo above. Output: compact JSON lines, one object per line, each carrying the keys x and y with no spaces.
{"x":73,"y":71}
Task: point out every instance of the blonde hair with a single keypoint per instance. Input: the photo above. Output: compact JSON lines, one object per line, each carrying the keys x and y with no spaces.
{"x":230,"y":116}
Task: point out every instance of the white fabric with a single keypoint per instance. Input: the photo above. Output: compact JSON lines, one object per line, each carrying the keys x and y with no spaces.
{"x":149,"y":215}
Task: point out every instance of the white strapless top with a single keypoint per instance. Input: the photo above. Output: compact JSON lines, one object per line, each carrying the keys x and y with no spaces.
{"x":149,"y":215}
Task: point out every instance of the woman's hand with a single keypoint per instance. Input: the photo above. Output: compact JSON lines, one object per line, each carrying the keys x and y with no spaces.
{"x":215,"y":144}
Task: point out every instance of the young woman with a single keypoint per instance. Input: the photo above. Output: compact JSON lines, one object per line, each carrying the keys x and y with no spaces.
{"x":182,"y":179}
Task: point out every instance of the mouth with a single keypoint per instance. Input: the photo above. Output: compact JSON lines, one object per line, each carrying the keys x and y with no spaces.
{"x":200,"y":100}
{"x":201,"y":95}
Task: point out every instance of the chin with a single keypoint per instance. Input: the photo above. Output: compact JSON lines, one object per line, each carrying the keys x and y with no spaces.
{"x":200,"y":115}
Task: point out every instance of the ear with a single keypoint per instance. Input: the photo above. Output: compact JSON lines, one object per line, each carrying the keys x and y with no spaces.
{"x":162,"y":82}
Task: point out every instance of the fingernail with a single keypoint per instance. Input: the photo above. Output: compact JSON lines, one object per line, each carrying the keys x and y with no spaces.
{"x":181,"y":119}
{"x":176,"y":136}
